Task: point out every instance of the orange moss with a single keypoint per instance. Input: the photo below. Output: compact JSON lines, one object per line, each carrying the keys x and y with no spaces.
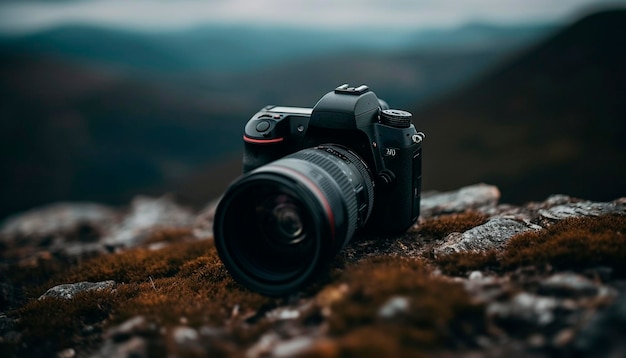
{"x":172,"y":235}
{"x":202,"y":292}
{"x":575,"y":243}
{"x":460,"y":263}
{"x":439,"y":227}
{"x":137,"y":265}
{"x":182,"y":281}
{"x":29,"y":279}
{"x":52,"y":324}
{"x":187,"y":280}
{"x":367,"y":342}
{"x":440,"y":312}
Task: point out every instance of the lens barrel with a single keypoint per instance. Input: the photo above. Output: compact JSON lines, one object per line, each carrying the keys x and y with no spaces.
{"x":276,"y":227}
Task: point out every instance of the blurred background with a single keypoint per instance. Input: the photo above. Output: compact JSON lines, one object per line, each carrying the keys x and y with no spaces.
{"x":102,"y":100}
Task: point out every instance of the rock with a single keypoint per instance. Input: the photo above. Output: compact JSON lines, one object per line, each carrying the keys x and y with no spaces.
{"x":184,"y":335}
{"x":186,"y":342}
{"x":147,"y":214}
{"x":509,"y":310}
{"x":62,"y":219}
{"x":67,"y":353}
{"x":603,"y":335}
{"x":79,"y":229}
{"x":568,"y":284}
{"x":473,"y":197}
{"x":126,"y":329}
{"x":264,"y":345}
{"x":283,"y":314}
{"x":492,"y":234}
{"x":72,"y":229}
{"x":393,"y":307}
{"x":203,"y":222}
{"x":585,"y":208}
{"x":135,"y":347}
{"x":292,"y":347}
{"x":475,"y":276}
{"x":68,"y":291}
{"x":7,"y":330}
{"x":485,"y":288}
{"x":525,"y":307}
{"x":127,"y":339}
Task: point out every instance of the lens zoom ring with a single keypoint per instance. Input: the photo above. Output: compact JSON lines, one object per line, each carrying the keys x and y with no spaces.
{"x":365,"y":174}
{"x":330,"y":164}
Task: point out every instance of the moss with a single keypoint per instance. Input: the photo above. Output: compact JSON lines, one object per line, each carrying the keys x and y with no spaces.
{"x":171,"y":235}
{"x":440,"y":312}
{"x":574,"y":244}
{"x":186,"y":280}
{"x":441,"y":226}
{"x":52,"y":324}
{"x":367,"y":342}
{"x":182,"y":281}
{"x":460,"y":263}
{"x":137,"y":265}
{"x":28,"y":280}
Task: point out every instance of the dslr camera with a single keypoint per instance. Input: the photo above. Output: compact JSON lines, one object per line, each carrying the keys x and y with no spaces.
{"x":312,"y":178}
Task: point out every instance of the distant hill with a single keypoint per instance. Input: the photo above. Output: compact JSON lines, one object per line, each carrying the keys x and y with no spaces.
{"x":100,"y":114}
{"x":73,"y":133}
{"x":223,"y":48}
{"x":551,"y":121}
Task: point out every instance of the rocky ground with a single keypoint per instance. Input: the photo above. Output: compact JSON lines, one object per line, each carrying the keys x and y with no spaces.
{"x":472,"y":278}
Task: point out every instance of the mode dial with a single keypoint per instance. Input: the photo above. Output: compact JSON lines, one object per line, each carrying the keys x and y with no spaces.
{"x":396,"y":118}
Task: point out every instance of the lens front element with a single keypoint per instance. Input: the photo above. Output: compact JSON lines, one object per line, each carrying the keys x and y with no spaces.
{"x":281,"y":220}
{"x":277,"y":226}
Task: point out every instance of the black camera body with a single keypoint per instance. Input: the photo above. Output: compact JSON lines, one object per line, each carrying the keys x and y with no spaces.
{"x":352,"y":117}
{"x":312,"y":178}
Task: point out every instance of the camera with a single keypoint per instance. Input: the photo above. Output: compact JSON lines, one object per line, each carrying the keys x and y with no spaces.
{"x":312,"y":178}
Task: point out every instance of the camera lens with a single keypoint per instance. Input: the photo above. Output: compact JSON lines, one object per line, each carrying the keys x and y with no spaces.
{"x":279,"y":225}
{"x":282,"y":220}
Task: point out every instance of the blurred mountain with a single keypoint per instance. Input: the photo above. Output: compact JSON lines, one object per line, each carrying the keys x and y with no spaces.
{"x":223,"y":48}
{"x":99,"y":114}
{"x":551,"y":121}
{"x":74,"y":133}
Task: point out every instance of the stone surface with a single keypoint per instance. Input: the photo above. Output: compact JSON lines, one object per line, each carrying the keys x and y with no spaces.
{"x":493,"y":234}
{"x":473,"y":197}
{"x":395,"y":306}
{"x":145,"y":215}
{"x":603,"y":336}
{"x":203,"y":222}
{"x":585,"y":208}
{"x":72,"y":229}
{"x":68,"y":291}
{"x":568,"y":284}
{"x":78,"y":230}
{"x":60,"y":219}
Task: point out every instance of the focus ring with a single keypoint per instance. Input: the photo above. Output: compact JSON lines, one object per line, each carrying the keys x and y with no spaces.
{"x":321,"y":159}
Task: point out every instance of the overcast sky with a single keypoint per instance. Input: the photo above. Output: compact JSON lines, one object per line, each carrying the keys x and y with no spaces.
{"x":26,"y":16}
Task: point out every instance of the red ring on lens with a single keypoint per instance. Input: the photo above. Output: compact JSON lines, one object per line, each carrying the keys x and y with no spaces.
{"x":318,"y":193}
